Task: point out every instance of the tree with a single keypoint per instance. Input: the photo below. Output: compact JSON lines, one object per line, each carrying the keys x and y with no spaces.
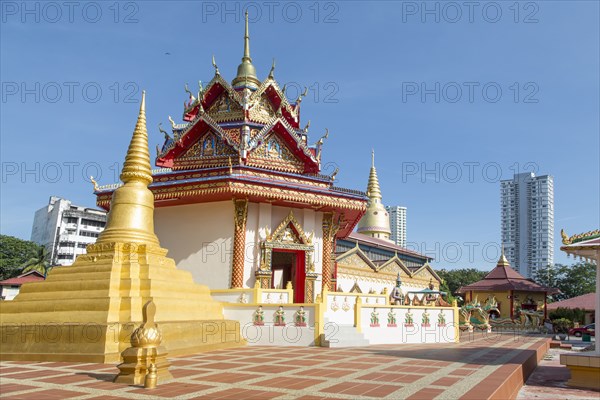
{"x":574,"y":280}
{"x":13,"y":253}
{"x":455,"y":278}
{"x":40,"y":262}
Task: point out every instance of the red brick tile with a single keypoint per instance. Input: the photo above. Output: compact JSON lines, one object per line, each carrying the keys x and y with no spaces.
{"x":221,"y":365}
{"x":11,"y":370}
{"x":289,"y":383}
{"x":172,"y":389}
{"x":425,"y":394}
{"x":35,"y":374}
{"x":388,"y":377}
{"x":226,"y":377}
{"x":446,"y":381}
{"x":269,"y":369}
{"x":362,"y":389}
{"x":235,"y":394}
{"x":50,"y":394}
{"x":13,"y":387}
{"x":325,"y":372}
{"x":185,"y":372}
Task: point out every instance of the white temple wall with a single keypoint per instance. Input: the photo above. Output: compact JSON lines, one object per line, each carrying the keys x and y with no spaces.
{"x":200,"y":239}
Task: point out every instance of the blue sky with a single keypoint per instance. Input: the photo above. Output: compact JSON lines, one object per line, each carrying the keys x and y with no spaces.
{"x":452,"y":99}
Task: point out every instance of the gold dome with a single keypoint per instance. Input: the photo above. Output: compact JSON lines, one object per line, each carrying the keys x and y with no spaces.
{"x":376,"y":221}
{"x":246,"y":73}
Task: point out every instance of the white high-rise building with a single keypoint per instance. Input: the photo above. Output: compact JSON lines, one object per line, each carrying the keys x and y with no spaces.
{"x":65,"y":229}
{"x":527,"y":208}
{"x":397,"y":224}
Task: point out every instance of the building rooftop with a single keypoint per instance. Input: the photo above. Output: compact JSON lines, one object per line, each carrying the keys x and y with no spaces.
{"x":585,"y":302}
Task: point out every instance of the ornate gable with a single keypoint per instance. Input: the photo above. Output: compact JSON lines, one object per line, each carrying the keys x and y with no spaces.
{"x":209,"y":150}
{"x":289,"y":231}
{"x":394,"y":266}
{"x":425,"y":273}
{"x":274,"y":153}
{"x":226,"y":108}
{"x":355,"y":259}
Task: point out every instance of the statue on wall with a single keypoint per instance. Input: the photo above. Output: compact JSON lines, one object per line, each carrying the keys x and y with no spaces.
{"x":259,"y":316}
{"x":280,"y":317}
{"x":396,"y":296}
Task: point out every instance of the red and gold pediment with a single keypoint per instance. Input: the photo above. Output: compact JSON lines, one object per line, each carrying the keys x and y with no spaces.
{"x":226,"y":108}
{"x":209,"y":150}
{"x":289,"y":231}
{"x":274,"y":153}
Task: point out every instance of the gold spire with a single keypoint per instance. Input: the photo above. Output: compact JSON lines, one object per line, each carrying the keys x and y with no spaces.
{"x":131,"y":216}
{"x":246,"y":73}
{"x":375,"y":222}
{"x":503,"y":262}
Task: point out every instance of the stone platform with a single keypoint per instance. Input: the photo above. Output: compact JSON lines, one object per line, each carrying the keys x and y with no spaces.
{"x":478,"y":367}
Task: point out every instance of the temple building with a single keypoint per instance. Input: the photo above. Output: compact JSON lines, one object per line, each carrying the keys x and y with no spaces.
{"x":240,"y":199}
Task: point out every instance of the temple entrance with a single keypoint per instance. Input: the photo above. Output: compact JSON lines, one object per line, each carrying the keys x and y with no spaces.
{"x":288,"y":266}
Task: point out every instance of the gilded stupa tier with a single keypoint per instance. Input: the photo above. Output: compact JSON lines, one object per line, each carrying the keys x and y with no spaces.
{"x":375,"y":222}
{"x":91,"y":307}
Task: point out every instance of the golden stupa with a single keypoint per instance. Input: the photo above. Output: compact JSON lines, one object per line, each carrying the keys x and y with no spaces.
{"x":87,"y":312}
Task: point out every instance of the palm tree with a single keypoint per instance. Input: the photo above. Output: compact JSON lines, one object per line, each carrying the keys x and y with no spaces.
{"x":40,"y":262}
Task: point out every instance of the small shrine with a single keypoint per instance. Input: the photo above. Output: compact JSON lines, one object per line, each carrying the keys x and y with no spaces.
{"x":508,"y":299}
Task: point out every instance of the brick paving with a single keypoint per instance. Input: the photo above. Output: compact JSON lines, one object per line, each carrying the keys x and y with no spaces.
{"x":548,"y":381}
{"x":472,"y":369}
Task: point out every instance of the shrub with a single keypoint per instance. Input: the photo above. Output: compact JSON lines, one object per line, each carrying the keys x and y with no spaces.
{"x":574,"y":314}
{"x":562,"y":325}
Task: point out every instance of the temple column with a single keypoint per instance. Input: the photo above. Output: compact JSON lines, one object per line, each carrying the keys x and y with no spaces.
{"x":329,"y":232}
{"x":239,"y":242}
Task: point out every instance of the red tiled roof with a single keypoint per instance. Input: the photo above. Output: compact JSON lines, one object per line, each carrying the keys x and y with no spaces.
{"x":32,"y":276}
{"x":585,"y":302}
{"x":503,"y":277}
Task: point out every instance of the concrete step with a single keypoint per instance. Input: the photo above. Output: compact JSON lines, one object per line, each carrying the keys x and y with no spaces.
{"x":342,"y":336}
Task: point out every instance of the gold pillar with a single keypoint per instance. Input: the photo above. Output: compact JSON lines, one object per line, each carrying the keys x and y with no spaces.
{"x":309,"y":287}
{"x":239,"y":243}
{"x":329,"y":232}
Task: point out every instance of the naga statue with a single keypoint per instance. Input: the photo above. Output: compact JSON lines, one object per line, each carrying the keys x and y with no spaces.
{"x":476,"y":315}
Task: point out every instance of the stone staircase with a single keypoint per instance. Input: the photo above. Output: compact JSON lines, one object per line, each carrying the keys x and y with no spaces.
{"x":337,"y":335}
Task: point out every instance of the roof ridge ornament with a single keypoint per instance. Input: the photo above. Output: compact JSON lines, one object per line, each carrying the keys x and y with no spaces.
{"x":272,"y":71}
{"x":214,"y":64}
{"x":246,"y":70}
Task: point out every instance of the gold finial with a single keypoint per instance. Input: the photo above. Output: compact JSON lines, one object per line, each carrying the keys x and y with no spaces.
{"x":246,"y":70}
{"x":214,"y":63}
{"x":503,"y":262}
{"x":565,"y":237}
{"x":272,"y":72}
{"x":137,"y":161}
{"x":94,"y":183}
{"x":131,"y":216}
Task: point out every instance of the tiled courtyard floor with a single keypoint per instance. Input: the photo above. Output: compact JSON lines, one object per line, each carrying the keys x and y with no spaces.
{"x":473,"y":369}
{"x":548,"y":381}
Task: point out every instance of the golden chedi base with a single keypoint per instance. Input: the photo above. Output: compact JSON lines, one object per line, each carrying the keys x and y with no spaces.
{"x":87,"y":312}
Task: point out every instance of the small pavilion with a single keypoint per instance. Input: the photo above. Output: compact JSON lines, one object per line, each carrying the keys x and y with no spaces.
{"x":512,"y":291}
